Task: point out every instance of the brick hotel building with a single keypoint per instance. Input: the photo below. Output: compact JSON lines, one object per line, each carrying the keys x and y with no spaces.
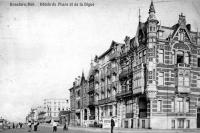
{"x":149,"y":79}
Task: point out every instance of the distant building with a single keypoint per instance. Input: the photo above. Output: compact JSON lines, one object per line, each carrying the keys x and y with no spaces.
{"x":53,"y":106}
{"x":79,"y":101}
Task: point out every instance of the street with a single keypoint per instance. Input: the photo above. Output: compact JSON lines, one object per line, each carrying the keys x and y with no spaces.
{"x":47,"y":129}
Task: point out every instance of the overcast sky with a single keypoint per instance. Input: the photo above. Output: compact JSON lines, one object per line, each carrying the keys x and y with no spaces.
{"x":43,"y":49}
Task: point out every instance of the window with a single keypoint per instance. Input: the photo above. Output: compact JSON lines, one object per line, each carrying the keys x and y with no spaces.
{"x":181,"y":36}
{"x":173,"y":106}
{"x":180,"y":57}
{"x":159,"y":106}
{"x":150,"y":28}
{"x":186,"y":79}
{"x":129,"y":107}
{"x":173,"y":57}
{"x":173,"y":123}
{"x":140,"y":57}
{"x":198,"y":81}
{"x":180,"y":79}
{"x":180,"y":105}
{"x":111,"y":110}
{"x":161,"y":56}
{"x":188,"y":124}
{"x":187,"y":105}
{"x":186,"y":58}
{"x":180,"y":123}
{"x":198,"y":62}
{"x":161,"y":78}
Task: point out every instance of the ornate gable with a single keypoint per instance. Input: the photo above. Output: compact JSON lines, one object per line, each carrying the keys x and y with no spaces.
{"x":181,"y":32}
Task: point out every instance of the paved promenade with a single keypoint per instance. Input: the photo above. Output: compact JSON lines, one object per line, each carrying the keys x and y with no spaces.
{"x":48,"y":129}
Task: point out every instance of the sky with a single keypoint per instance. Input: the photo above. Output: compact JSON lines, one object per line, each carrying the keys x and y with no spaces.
{"x":43,"y":49}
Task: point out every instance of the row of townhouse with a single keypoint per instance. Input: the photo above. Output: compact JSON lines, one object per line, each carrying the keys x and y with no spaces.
{"x":150,"y":79}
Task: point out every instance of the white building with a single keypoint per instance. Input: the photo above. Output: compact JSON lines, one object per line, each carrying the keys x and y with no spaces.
{"x":53,"y":106}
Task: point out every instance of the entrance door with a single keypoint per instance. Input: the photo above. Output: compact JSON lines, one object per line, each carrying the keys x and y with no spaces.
{"x":198,"y":117}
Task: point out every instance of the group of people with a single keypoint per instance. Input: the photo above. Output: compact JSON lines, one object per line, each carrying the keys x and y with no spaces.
{"x":55,"y":124}
{"x":34,"y":125}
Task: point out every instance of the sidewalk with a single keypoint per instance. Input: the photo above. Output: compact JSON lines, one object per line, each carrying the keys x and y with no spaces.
{"x":129,"y":130}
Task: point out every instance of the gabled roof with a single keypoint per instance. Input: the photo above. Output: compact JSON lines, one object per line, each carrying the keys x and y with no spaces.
{"x":113,"y":43}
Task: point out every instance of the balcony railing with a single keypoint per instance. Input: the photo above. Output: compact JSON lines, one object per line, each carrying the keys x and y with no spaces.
{"x":124,"y":93}
{"x":182,"y":89}
{"x":138,"y":89}
{"x":107,"y":100}
{"x":114,"y":55}
{"x":183,"y":65}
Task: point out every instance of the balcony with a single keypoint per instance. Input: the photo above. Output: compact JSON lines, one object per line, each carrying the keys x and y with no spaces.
{"x":183,"y":89}
{"x":129,"y":115}
{"x":102,"y":101}
{"x":107,"y":100}
{"x":183,"y":65}
{"x":114,"y":56}
{"x":138,"y":90}
{"x":123,"y":74}
{"x":124,"y":94}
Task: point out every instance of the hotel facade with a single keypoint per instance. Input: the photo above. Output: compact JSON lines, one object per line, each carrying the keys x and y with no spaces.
{"x":149,"y":79}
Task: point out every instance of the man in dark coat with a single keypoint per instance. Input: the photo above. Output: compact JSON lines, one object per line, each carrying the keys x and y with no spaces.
{"x":112,"y":124}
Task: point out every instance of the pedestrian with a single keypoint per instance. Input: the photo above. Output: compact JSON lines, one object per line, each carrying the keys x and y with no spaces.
{"x":54,"y":126}
{"x":65,"y":127}
{"x":35,"y":125}
{"x":13,"y":125}
{"x":29,"y":126}
{"x":112,"y":124}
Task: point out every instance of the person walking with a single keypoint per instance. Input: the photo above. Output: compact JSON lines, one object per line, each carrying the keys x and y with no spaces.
{"x":54,"y":126}
{"x":112,"y":124}
{"x":29,"y":126}
{"x":36,"y":125}
{"x":65,"y":127}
